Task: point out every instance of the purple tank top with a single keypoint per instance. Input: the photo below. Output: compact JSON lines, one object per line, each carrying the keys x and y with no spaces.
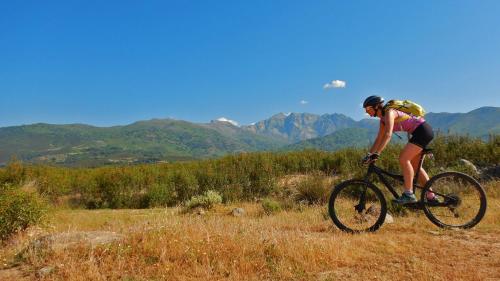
{"x":405,"y":122}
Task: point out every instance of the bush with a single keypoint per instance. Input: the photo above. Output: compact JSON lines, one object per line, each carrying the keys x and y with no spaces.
{"x":205,"y":201}
{"x":19,"y":209}
{"x":115,"y":188}
{"x":13,"y":173}
{"x":185,"y":184}
{"x":244,"y":176}
{"x":312,"y":190}
{"x":271,"y":207}
{"x":161,"y":195}
{"x":232,"y":193}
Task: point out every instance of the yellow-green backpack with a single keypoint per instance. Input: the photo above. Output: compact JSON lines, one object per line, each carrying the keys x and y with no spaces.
{"x":406,"y":106}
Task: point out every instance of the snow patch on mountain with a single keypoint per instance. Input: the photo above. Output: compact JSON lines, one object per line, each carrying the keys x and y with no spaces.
{"x":223,"y":119}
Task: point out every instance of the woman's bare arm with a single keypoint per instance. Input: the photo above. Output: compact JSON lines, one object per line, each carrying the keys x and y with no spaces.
{"x":378,"y":139}
{"x":386,"y":134}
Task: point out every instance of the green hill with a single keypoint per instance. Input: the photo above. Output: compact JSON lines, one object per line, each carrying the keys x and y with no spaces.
{"x":144,"y":141}
{"x":350,"y":137}
{"x":173,"y":140}
{"x":480,"y":122}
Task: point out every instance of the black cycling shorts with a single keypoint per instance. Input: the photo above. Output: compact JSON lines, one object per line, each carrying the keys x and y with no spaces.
{"x":422,"y":135}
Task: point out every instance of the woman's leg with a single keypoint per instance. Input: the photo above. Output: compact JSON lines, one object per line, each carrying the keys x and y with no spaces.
{"x":422,"y":175}
{"x":409,"y":152}
{"x":423,"y":178}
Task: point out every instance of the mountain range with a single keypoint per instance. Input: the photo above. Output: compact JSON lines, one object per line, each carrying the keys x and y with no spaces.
{"x":173,"y":140}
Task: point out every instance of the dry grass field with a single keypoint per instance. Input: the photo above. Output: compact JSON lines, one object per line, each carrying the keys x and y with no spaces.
{"x":163,"y":244}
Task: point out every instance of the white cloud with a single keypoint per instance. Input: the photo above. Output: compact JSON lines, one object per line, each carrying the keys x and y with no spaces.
{"x":222,"y":119}
{"x":304,"y":102}
{"x":335,"y":84}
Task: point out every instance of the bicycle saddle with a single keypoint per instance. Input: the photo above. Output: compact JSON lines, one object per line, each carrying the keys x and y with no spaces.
{"x":427,"y":151}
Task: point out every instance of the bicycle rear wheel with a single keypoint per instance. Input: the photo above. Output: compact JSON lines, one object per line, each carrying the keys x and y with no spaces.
{"x":461,"y":201}
{"x":357,"y":206}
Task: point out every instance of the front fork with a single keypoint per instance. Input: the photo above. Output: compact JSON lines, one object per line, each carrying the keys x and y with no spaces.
{"x":362,"y":199}
{"x":362,"y":202}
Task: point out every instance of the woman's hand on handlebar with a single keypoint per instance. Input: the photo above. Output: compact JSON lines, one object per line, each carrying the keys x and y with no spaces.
{"x":370,"y":157}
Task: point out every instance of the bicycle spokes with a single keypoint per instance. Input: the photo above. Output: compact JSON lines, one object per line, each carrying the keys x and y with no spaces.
{"x":356,"y":206}
{"x":461,"y":201}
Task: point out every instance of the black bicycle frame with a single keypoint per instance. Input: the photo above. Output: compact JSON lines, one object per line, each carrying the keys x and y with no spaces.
{"x":372,"y":169}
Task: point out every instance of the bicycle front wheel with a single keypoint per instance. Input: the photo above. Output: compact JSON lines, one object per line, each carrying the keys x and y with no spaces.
{"x":460,"y":201}
{"x":357,"y":206}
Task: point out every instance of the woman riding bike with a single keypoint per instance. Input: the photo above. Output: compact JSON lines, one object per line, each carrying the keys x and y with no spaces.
{"x":392,"y":120}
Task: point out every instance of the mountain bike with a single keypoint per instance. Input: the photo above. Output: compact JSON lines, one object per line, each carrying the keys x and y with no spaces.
{"x":358,"y":205}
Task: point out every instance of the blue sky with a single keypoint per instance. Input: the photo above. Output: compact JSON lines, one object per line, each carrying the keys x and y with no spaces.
{"x":115,"y":62}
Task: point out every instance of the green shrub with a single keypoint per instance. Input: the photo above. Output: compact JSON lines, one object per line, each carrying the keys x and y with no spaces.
{"x":244,"y":176}
{"x":161,"y":195}
{"x":53,"y":183}
{"x":113,"y":189}
{"x":19,"y":209}
{"x":185,"y":184}
{"x":206,"y":201}
{"x":271,"y":206}
{"x":13,"y":173}
{"x":232,"y":193}
{"x":312,"y":190}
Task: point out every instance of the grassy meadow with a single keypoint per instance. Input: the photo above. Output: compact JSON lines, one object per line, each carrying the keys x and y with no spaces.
{"x":284,"y":234}
{"x":164,"y":244}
